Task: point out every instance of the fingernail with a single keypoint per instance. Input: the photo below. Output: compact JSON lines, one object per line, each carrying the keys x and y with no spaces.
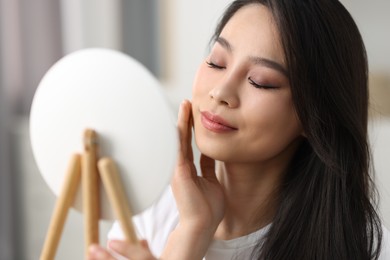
{"x":185,"y":102}
{"x":113,"y":244}
{"x":95,"y":250}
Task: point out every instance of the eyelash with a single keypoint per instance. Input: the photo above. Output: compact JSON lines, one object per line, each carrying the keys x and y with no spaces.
{"x":259,"y":85}
{"x":214,"y":66}
{"x":253,"y":83}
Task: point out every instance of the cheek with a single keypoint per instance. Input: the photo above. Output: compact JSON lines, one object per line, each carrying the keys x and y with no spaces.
{"x":272,"y":139}
{"x":289,"y":118}
{"x":201,"y":83}
{"x":276,"y":119}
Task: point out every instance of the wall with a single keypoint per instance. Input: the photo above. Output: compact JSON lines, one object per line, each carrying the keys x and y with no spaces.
{"x":7,"y":222}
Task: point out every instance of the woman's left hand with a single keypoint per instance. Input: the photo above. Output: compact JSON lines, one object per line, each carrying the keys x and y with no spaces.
{"x":125,"y":249}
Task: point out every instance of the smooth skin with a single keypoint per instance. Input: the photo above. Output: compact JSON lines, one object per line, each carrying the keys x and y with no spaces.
{"x":244,"y":82}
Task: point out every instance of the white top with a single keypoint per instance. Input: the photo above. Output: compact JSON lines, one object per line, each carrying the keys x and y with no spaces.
{"x":156,"y":223}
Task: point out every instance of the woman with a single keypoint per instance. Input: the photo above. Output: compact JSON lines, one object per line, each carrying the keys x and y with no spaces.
{"x":279,"y":112}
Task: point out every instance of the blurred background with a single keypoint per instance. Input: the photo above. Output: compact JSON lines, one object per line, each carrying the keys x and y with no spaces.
{"x":171,"y":38}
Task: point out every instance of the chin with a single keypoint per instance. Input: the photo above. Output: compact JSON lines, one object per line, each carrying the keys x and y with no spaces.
{"x":216,"y":152}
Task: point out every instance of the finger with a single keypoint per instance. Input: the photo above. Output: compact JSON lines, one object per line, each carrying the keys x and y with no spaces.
{"x":207,"y":166}
{"x":97,"y":252}
{"x":120,"y":247}
{"x":184,"y":125}
{"x":133,"y":251}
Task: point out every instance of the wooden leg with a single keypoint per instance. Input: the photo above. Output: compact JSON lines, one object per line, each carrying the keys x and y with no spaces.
{"x":117,"y":197}
{"x":64,"y":202}
{"x":90,"y":188}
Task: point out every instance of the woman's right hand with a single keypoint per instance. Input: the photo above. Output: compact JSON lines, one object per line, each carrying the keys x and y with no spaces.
{"x":200,"y":199}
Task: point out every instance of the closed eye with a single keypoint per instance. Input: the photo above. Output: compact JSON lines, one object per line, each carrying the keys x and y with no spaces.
{"x":214,"y":66}
{"x":263,"y":86}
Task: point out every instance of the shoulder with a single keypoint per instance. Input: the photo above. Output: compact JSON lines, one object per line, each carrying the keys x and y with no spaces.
{"x":154,"y":224}
{"x":385,"y":251}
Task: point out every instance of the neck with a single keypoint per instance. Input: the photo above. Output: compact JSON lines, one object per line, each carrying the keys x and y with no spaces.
{"x":249,"y":198}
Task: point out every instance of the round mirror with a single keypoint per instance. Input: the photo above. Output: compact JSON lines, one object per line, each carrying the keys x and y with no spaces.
{"x":115,"y":95}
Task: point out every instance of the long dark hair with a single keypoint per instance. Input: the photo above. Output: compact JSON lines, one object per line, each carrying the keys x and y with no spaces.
{"x":327,"y":201}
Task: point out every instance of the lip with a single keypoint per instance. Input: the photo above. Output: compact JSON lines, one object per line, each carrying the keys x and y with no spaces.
{"x":216,"y":123}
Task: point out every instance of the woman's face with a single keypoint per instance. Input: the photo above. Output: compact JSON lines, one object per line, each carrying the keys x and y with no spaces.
{"x":242,"y":105}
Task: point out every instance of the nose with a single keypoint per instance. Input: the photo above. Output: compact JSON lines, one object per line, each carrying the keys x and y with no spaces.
{"x":225,"y":94}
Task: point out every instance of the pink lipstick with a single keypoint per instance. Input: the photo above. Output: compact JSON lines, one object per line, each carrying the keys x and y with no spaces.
{"x":215,"y":123}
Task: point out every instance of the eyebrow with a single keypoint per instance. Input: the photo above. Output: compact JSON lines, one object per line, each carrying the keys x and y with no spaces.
{"x":224,"y":43}
{"x":254,"y":59}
